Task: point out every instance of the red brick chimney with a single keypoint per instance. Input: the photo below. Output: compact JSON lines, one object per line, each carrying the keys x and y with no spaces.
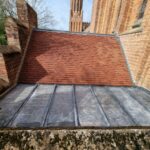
{"x":26,"y":14}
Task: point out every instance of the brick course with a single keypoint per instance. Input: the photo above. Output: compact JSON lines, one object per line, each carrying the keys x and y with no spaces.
{"x":74,"y":59}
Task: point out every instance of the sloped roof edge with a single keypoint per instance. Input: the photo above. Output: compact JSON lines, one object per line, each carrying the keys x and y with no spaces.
{"x":78,"y":33}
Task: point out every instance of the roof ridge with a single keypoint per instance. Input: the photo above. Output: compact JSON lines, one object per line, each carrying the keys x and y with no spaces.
{"x":77,"y":33}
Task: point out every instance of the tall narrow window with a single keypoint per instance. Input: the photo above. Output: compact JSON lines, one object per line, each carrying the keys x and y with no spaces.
{"x":142,"y":9}
{"x":140,"y":14}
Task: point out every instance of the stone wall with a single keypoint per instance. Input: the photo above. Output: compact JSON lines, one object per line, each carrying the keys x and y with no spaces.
{"x":105,"y":16}
{"x":72,"y":139}
{"x":12,"y":34}
{"x":18,"y":33}
{"x":111,"y":16}
{"x":76,"y":16}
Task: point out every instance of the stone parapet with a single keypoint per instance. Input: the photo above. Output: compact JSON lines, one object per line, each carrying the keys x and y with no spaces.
{"x":72,"y":139}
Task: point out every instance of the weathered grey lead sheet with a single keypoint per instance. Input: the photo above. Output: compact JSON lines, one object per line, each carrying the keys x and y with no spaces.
{"x":49,"y":105}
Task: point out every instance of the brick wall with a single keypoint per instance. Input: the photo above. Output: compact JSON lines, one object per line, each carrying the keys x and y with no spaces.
{"x":13,"y":60}
{"x":3,"y":74}
{"x":32,"y":17}
{"x":12,"y":63}
{"x":137,"y":46}
{"x":17,"y":39}
{"x":26,"y":14}
{"x":74,"y":59}
{"x":136,"y":41}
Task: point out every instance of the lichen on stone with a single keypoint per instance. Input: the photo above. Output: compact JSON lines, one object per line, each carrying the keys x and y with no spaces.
{"x":84,"y":139}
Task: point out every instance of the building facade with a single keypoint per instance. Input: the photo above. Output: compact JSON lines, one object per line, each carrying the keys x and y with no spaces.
{"x":18,"y":32}
{"x":130,"y":19}
{"x":76,"y":16}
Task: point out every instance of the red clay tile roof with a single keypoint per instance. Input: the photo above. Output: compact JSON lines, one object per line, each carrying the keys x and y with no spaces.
{"x":65,"y":58}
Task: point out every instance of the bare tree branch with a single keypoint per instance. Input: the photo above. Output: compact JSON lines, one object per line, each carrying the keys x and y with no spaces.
{"x":45,"y":17}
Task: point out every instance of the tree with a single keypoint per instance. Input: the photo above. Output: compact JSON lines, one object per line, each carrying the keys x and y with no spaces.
{"x":45,"y":17}
{"x":8,"y":7}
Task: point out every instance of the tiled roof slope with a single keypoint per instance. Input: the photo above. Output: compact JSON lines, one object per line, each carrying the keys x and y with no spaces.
{"x":65,"y":58}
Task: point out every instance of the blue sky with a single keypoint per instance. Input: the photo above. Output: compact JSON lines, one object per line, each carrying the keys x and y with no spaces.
{"x":61,"y":12}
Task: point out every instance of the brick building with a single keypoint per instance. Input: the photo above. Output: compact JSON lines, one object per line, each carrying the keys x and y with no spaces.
{"x":18,"y":35}
{"x":127,"y":23}
{"x":89,"y":82}
{"x":129,"y":19}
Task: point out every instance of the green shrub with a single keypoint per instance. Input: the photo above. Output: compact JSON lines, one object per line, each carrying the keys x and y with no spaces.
{"x":3,"y":40}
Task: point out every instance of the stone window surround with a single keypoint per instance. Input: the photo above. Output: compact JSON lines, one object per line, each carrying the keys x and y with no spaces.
{"x":138,"y":22}
{"x":137,"y":26}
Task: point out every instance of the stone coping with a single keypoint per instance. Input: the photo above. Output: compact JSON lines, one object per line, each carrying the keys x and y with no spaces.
{"x":5,"y":49}
{"x":75,"y":128}
{"x":75,"y":139}
{"x":132,"y":31}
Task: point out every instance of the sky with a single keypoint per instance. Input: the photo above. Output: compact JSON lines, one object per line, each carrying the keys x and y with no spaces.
{"x":61,"y":11}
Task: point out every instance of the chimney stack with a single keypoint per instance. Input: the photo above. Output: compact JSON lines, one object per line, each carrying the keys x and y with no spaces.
{"x":26,"y":14}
